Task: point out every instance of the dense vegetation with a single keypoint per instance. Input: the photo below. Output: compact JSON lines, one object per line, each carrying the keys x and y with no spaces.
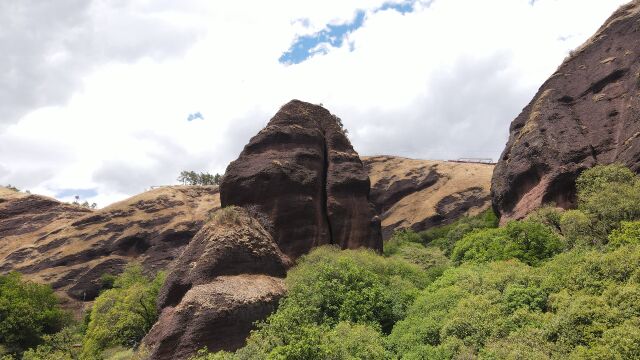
{"x":119,"y":319}
{"x":28,"y":312}
{"x":557,"y":285}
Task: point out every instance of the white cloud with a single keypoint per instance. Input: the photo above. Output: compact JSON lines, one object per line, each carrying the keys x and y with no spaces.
{"x":98,"y":96}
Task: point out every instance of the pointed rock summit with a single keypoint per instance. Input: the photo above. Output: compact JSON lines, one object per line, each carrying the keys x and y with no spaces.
{"x":302,"y":172}
{"x":587,"y":113}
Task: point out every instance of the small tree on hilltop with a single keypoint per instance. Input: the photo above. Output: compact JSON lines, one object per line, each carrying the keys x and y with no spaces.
{"x":193,"y":178}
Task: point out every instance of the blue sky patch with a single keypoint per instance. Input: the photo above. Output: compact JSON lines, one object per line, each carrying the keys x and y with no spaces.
{"x":305,"y":46}
{"x":83,"y":193}
{"x":402,"y":8}
{"x":333,"y":35}
{"x":195,"y":116}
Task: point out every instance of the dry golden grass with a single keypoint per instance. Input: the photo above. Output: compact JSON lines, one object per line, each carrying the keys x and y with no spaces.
{"x":455,"y":177}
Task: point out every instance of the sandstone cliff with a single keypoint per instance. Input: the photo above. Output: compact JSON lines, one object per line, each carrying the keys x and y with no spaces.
{"x":586,"y":113}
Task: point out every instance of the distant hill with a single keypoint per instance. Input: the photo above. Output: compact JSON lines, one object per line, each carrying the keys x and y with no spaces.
{"x":419,"y":194}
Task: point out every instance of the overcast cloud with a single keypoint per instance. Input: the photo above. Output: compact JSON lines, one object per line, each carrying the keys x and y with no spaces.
{"x":95,"y":95}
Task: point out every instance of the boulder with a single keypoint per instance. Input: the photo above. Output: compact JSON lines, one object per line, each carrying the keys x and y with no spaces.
{"x":586,"y":113}
{"x":227,"y":278}
{"x":303,"y":173}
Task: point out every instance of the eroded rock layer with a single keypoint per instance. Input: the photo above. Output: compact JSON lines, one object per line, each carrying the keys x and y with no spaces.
{"x":303,"y":173}
{"x":71,"y":247}
{"x":586,"y":113}
{"x":419,"y":194}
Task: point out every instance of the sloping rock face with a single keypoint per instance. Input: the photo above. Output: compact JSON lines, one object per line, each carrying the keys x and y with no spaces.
{"x":71,"y":247}
{"x":303,"y":173}
{"x":227,"y":278}
{"x":587,"y":113}
{"x":419,"y":194}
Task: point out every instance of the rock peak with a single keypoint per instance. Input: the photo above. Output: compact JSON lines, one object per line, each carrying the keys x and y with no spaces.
{"x":303,"y":173}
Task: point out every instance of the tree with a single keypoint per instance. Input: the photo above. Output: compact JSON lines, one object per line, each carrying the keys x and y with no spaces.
{"x":28,"y":311}
{"x":194,"y":178}
{"x":121,"y":316}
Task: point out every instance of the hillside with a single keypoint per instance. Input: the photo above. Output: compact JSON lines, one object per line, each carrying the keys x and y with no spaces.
{"x":71,"y":247}
{"x":419,"y":194}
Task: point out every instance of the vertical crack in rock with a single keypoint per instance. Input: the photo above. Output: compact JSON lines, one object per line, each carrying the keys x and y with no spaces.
{"x":325,"y":197}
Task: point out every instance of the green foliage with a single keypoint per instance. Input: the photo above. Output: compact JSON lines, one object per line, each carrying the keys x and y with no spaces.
{"x":608,"y":195}
{"x":629,"y":233}
{"x":194,"y":178}
{"x":548,"y":215}
{"x":446,"y":236}
{"x":601,"y":177}
{"x":576,"y":226}
{"x":28,"y":311}
{"x":63,"y":345}
{"x":338,"y":306}
{"x":528,"y":241}
{"x":121,"y":316}
{"x":575,"y":305}
{"x":406,"y":244}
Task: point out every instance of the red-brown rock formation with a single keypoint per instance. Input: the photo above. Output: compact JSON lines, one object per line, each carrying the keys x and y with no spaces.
{"x":227,"y":278}
{"x":303,"y":173}
{"x":587,"y":113}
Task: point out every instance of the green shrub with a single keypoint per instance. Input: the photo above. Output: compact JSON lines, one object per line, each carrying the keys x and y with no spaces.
{"x":121,"y":316}
{"x":28,"y":311}
{"x":576,"y":228}
{"x":528,"y":241}
{"x":62,"y":345}
{"x":330,"y":287}
{"x":601,"y":177}
{"x":629,"y":233}
{"x":548,"y":215}
{"x":446,"y":236}
{"x":407,"y":245}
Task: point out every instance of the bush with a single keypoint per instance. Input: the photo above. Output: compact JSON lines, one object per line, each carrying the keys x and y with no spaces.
{"x":121,"y":316}
{"x":28,"y":312}
{"x":601,"y":177}
{"x":576,"y":228}
{"x":407,"y":245}
{"x":629,"y":233}
{"x":446,"y":236}
{"x":528,"y":241}
{"x":59,"y":346}
{"x":352,"y":294}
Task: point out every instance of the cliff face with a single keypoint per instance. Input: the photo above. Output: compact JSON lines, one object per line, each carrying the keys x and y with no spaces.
{"x":586,"y":113}
{"x":302,"y":172}
{"x":419,"y":194}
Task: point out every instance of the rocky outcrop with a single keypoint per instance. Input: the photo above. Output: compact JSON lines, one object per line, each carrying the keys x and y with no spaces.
{"x":587,"y":113}
{"x":419,"y":194}
{"x":71,"y":247}
{"x":228,"y":277}
{"x":303,"y":173}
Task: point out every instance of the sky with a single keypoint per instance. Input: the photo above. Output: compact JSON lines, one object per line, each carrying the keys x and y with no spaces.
{"x":104,"y":99}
